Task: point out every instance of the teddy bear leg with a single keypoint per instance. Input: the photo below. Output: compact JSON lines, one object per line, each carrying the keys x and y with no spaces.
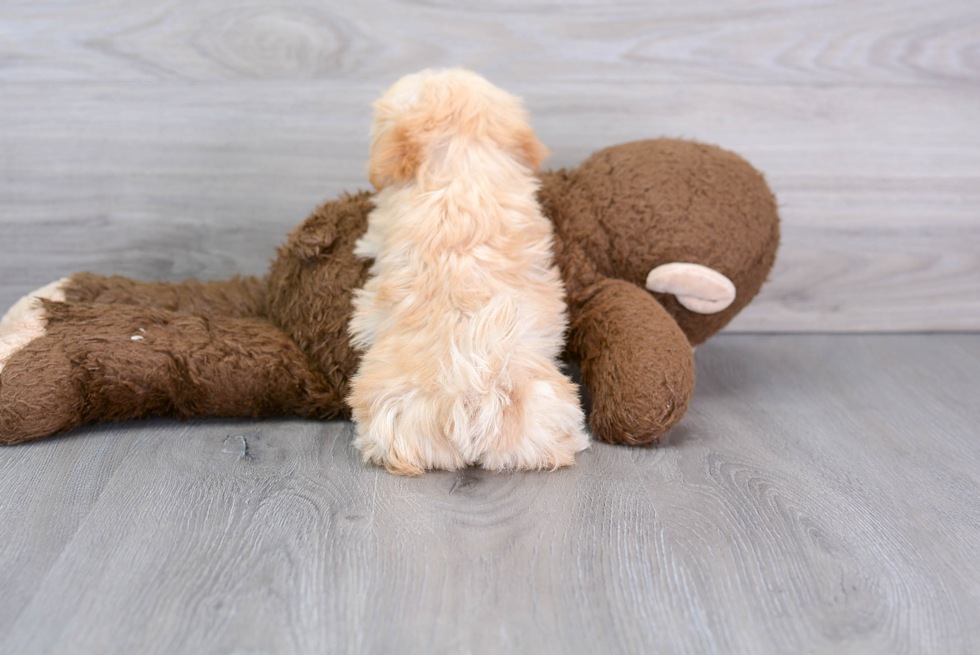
{"x":635,"y":362}
{"x":114,"y":362}
{"x":40,"y":394}
{"x":239,"y":296}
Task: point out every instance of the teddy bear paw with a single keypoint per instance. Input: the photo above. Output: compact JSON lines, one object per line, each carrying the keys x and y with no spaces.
{"x":26,"y":321}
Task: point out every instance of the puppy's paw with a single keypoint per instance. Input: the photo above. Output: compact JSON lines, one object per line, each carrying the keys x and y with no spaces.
{"x":404,"y":431}
{"x":542,"y":427}
{"x":26,"y":321}
{"x":403,"y":455}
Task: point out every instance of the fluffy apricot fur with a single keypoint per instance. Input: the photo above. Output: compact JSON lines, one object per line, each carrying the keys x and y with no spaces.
{"x":463,"y":316}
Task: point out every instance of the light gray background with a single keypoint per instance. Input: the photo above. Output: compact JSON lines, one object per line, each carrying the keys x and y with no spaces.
{"x":172,"y":139}
{"x":823,"y":492}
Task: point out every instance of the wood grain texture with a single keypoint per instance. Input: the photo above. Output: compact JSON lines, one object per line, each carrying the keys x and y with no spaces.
{"x":176,"y":139}
{"x":852,"y":42}
{"x":821,"y":496}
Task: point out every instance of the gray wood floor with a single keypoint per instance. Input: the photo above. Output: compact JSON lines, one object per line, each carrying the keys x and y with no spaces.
{"x":173,"y":139}
{"x":821,"y":496}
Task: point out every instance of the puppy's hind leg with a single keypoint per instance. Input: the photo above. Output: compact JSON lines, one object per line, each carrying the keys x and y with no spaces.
{"x":542,"y":427}
{"x":401,"y":427}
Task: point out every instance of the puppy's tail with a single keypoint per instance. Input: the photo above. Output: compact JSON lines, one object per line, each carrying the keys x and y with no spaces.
{"x":489,"y":338}
{"x":479,"y":365}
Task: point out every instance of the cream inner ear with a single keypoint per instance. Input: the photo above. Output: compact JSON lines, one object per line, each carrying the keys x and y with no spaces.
{"x":698,"y":288}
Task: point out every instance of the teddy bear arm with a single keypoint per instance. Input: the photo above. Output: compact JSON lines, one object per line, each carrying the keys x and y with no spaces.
{"x":635,"y":362}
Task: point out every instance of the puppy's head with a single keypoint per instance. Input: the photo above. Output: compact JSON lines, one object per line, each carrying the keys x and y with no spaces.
{"x":423,"y":112}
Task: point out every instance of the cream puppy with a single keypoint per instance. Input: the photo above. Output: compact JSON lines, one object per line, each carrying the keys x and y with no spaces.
{"x":463,"y":316}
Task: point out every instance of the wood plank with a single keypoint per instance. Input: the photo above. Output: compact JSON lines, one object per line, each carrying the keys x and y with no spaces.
{"x":46,"y":492}
{"x":903,"y":42}
{"x":879,"y":187}
{"x":820,"y":496}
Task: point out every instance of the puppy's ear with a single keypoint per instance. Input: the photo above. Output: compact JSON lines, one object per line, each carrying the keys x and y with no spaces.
{"x":396,"y":154}
{"x":527,"y":147}
{"x":514,"y":135}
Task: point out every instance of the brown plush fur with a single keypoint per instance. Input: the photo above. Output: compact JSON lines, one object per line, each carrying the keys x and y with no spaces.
{"x":89,"y":367}
{"x":245,"y":347}
{"x":310,"y":286}
{"x":632,"y":207}
{"x":635,"y":361}
{"x":238,"y":297}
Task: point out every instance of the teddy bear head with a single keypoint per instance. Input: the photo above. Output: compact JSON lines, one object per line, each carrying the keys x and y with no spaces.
{"x":694,"y":224}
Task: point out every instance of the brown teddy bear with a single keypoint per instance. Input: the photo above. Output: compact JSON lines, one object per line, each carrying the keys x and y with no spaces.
{"x":660,"y":244}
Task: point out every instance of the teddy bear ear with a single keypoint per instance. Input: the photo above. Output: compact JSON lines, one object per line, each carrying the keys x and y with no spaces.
{"x":396,"y":154}
{"x":698,"y":288}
